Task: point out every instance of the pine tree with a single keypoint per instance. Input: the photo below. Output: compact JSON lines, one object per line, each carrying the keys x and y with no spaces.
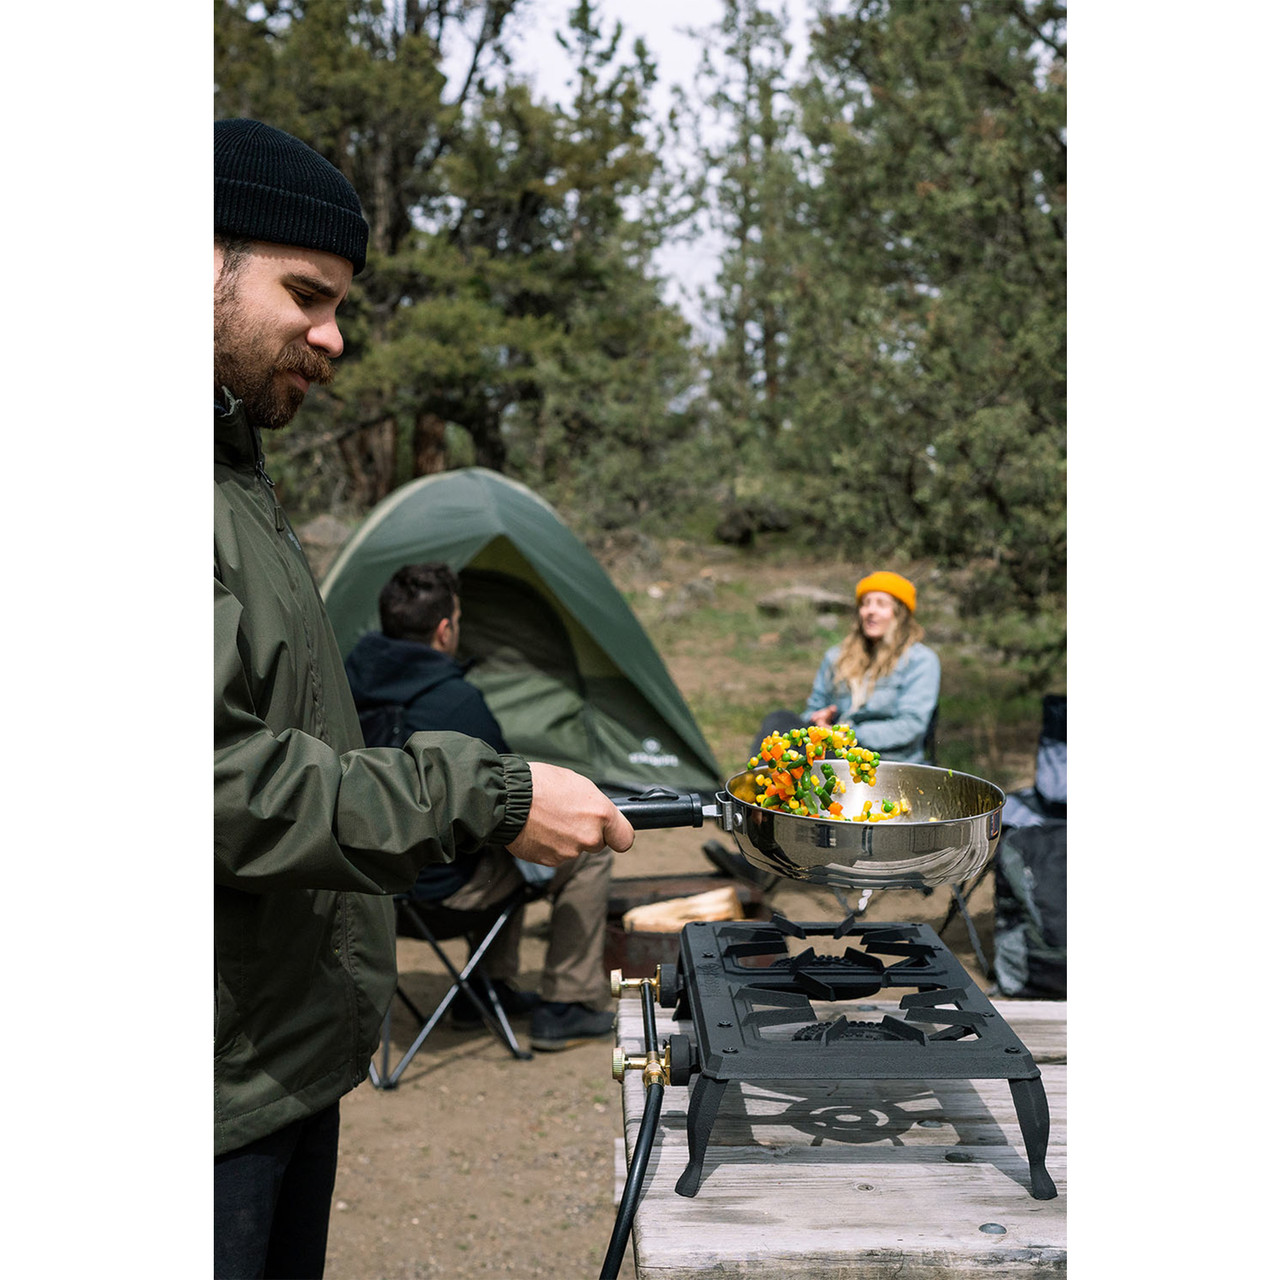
{"x":507,"y":316}
{"x":929,"y":325}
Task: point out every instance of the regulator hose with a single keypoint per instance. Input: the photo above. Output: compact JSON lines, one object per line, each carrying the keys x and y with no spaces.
{"x":640,"y":1158}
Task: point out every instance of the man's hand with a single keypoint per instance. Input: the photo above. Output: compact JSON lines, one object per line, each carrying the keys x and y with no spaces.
{"x":569,"y":816}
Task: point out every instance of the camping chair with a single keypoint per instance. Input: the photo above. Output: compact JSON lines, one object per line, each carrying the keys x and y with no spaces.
{"x":436,"y":924}
{"x":960,"y":895}
{"x":931,"y":738}
{"x":1045,"y":801}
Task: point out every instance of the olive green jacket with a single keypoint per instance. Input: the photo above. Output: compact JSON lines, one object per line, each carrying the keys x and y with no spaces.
{"x":312,"y":830}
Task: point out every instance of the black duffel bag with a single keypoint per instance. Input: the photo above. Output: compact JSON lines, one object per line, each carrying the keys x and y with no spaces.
{"x":1031,"y":911}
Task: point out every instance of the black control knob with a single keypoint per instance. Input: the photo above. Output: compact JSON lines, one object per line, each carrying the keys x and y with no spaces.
{"x":668,"y":985}
{"x":684,"y":1059}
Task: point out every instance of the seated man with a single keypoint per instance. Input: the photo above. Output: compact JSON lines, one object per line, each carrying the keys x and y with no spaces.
{"x":405,"y":679}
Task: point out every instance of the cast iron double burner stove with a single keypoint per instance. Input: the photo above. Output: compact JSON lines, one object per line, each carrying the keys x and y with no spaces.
{"x":750,"y":1005}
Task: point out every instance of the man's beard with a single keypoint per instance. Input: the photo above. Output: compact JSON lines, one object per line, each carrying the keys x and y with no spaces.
{"x":242,"y":363}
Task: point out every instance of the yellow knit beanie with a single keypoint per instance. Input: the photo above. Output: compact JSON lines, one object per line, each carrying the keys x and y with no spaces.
{"x":893,"y":584}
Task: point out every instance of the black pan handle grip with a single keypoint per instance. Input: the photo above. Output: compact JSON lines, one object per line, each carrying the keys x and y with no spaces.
{"x":659,"y":809}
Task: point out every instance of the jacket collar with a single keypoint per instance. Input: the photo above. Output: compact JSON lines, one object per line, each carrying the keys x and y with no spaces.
{"x":414,"y":655}
{"x":236,"y":441}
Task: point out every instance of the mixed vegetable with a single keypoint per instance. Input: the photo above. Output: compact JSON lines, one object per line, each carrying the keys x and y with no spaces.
{"x":799,"y":780}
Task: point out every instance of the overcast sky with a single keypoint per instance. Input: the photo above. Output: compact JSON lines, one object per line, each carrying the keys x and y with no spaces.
{"x":664,"y":24}
{"x":669,"y":28}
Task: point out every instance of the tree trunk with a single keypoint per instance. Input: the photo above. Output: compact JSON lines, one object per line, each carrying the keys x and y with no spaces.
{"x":491,"y":449}
{"x":370,"y":458}
{"x":429,"y":453}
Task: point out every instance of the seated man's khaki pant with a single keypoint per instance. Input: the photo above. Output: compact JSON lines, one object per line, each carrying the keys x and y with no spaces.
{"x":579,"y":896}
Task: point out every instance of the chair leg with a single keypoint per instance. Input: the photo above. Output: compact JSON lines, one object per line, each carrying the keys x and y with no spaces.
{"x":494,"y":1017}
{"x":379,"y":1078}
{"x":426,"y":1029}
{"x":959,"y":906}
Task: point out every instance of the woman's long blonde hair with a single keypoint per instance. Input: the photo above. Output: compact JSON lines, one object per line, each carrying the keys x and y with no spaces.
{"x":861,"y":662}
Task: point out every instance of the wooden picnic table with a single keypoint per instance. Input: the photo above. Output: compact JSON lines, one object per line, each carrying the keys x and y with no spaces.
{"x":862,"y":1180}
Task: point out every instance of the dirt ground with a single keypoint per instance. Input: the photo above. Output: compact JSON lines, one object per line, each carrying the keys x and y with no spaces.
{"x":478,"y":1164}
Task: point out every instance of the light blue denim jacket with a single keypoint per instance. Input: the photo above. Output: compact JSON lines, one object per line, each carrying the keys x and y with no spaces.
{"x":894,"y":719}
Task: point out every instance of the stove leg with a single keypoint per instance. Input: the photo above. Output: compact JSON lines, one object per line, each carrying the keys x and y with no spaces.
{"x":704,"y":1102}
{"x":1032,"y":1107}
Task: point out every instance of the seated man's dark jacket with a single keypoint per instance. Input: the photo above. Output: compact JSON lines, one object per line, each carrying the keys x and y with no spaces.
{"x":430,"y":691}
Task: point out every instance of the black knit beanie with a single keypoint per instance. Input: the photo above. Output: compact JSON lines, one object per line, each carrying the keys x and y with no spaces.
{"x":269,"y":186}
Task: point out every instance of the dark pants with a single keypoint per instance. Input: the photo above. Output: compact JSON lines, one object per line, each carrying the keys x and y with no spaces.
{"x":271,"y":1202}
{"x":778,"y":722}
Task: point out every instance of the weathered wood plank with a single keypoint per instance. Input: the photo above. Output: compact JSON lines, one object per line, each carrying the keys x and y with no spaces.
{"x":902,"y":1213}
{"x":865,"y":1179}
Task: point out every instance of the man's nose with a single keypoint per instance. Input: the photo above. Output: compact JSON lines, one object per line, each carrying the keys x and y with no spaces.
{"x":326,"y":337}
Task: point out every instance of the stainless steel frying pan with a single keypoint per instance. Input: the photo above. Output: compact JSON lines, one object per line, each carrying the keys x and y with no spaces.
{"x":950,"y":832}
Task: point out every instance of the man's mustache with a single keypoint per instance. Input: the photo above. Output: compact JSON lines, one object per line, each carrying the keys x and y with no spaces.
{"x":310,"y":364}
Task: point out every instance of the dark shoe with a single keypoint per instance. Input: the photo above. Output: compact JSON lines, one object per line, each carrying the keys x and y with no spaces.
{"x":557,"y":1025}
{"x":737,"y":867}
{"x":515,"y":1003}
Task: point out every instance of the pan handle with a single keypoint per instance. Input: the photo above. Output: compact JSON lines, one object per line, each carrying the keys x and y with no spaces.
{"x":660,"y":808}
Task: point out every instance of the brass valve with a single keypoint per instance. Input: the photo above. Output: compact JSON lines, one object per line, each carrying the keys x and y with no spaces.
{"x":618,"y":984}
{"x":656,"y":1067}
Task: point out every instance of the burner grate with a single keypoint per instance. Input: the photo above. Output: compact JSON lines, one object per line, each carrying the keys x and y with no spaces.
{"x":843,"y":1029}
{"x":751,"y":1004}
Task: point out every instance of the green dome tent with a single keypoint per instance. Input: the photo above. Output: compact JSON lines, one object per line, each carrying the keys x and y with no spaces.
{"x":563,"y":662}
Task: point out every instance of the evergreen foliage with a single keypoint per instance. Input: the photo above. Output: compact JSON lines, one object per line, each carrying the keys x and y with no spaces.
{"x":508,"y":315}
{"x":893,"y":298}
{"x":888,"y":373}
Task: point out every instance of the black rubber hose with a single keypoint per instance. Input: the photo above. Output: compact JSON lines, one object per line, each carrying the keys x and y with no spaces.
{"x":640,"y":1158}
{"x":649,"y":1012}
{"x":635,"y":1179}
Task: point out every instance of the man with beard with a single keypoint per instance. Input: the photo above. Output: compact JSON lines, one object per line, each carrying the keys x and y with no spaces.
{"x":312,"y":831}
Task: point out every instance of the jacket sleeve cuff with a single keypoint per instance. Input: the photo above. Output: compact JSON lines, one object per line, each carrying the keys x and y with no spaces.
{"x":518,"y":786}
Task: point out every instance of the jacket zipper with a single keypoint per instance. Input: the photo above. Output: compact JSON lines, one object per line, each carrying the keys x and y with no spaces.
{"x":260,"y":470}
{"x":259,"y":458}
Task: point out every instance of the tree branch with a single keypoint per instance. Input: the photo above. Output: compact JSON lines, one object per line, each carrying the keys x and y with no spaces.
{"x":1018,"y":11}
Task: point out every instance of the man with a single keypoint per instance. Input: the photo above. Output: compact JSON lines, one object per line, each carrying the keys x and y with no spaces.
{"x":404,"y":679}
{"x":312,"y":831}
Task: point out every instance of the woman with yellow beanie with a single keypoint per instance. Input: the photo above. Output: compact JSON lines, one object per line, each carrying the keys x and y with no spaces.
{"x":880,"y":678}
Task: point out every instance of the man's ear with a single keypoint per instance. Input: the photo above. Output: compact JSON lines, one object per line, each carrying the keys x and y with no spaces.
{"x":439,"y":635}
